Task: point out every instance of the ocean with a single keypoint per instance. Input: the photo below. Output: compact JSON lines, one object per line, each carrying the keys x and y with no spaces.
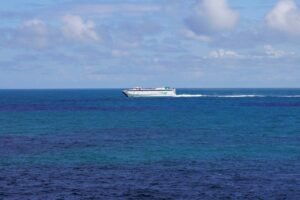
{"x":99,"y":144}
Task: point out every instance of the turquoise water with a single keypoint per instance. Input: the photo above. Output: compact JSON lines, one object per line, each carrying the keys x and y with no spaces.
{"x":202,"y":144}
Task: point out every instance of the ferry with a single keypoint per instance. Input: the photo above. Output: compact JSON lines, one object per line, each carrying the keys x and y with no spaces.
{"x":150,"y":92}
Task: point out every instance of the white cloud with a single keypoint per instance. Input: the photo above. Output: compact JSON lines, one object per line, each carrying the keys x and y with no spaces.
{"x":212,"y":15}
{"x":119,"y":53}
{"x":269,"y":52}
{"x":275,"y":53}
{"x":33,"y":33}
{"x":77,"y":29}
{"x":285,"y":17}
{"x":221,"y":53}
{"x":115,"y":8}
{"x":35,"y":25}
{"x":192,"y":35}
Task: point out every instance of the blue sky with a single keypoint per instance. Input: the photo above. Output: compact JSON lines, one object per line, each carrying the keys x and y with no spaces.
{"x":114,"y":43}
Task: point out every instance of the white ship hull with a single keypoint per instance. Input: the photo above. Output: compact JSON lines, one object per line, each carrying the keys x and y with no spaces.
{"x":150,"y":92}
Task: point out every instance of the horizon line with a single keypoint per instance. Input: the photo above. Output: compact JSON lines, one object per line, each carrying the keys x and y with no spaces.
{"x":103,"y":88}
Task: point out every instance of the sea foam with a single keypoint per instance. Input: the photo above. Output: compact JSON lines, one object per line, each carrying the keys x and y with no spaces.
{"x":235,"y":96}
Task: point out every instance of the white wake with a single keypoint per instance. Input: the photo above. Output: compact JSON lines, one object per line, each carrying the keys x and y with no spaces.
{"x":190,"y":95}
{"x":234,"y":96}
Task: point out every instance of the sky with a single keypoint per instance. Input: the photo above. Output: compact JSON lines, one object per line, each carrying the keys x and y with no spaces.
{"x":149,"y":43}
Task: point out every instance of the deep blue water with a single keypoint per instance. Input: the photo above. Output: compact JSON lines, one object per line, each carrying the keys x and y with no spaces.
{"x":98,"y":144}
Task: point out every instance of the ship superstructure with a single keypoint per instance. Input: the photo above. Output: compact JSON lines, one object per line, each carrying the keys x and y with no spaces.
{"x":150,"y":92}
